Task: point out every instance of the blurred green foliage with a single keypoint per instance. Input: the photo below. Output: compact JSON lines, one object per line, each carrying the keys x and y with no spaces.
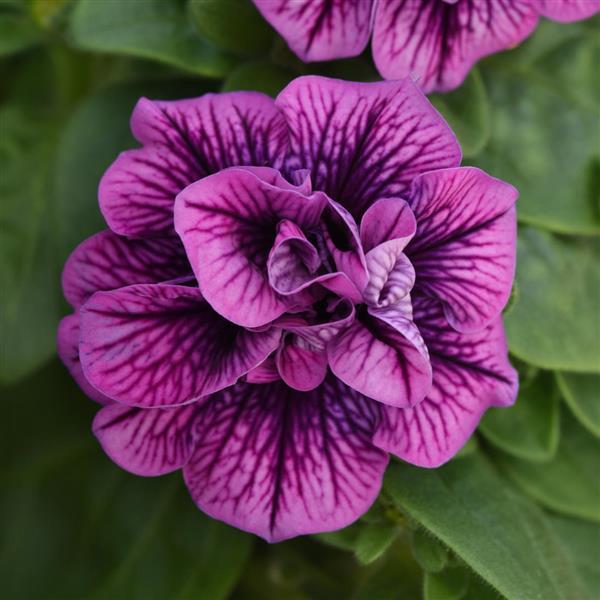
{"x":514,"y":515}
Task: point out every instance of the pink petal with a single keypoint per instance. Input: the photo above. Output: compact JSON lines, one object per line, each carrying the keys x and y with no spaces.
{"x":385,"y":220}
{"x":436,"y":43}
{"x":320,"y":29}
{"x":471,"y":372}
{"x":566,"y":11}
{"x":162,"y":345}
{"x":183,"y":141}
{"x":282,"y":463}
{"x":302,"y":366}
{"x":364,"y":141}
{"x":465,"y":247}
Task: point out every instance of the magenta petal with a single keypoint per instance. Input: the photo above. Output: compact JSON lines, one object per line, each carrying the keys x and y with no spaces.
{"x":162,"y":345}
{"x":228,"y":224}
{"x":465,"y":246}
{"x":566,"y":11}
{"x":436,"y":43}
{"x":320,"y":29}
{"x":281,"y":463}
{"x":266,"y":372}
{"x":186,"y":140}
{"x":382,"y":356}
{"x":364,"y":141}
{"x":471,"y":372}
{"x":147,"y":442}
{"x":68,"y":350}
{"x":301,"y":365}
{"x":385,"y":220}
{"x":107,"y":261}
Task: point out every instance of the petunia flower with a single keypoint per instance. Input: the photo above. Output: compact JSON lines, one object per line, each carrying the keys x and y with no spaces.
{"x":290,"y":290}
{"x":434,"y":41}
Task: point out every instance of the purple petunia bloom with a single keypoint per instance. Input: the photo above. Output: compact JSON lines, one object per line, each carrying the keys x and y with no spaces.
{"x":290,"y":290}
{"x":434,"y":41}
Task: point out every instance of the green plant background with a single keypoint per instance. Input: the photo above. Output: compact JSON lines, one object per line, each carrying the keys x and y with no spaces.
{"x":514,"y":515}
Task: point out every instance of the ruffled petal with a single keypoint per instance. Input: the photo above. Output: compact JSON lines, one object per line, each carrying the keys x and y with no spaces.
{"x":107,"y":261}
{"x":183,"y":141}
{"x":471,"y":372}
{"x":228,"y":224}
{"x":320,"y":29}
{"x":436,"y":43}
{"x":465,"y":248}
{"x":144,"y":441}
{"x":364,"y":141}
{"x":382,"y":355}
{"x":162,"y":345}
{"x":67,"y":343}
{"x":385,"y":220}
{"x":302,"y":366}
{"x":282,"y":463}
{"x":566,"y":11}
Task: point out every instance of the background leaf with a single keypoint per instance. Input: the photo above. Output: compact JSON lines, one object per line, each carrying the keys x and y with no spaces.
{"x":550,"y":324}
{"x":582,"y":394}
{"x":151,"y":29}
{"x":499,"y":534}
{"x":529,"y":429}
{"x":569,"y":483}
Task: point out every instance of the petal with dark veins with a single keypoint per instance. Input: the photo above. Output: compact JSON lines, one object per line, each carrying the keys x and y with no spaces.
{"x":566,"y":11}
{"x":302,"y":366}
{"x":471,"y":372}
{"x":280,"y":463}
{"x":364,"y":141}
{"x":464,"y":250}
{"x":382,"y":356}
{"x":183,"y":141}
{"x":163,"y":345}
{"x":385,"y":220}
{"x":228,"y":225}
{"x":147,"y":442}
{"x":320,"y":29}
{"x":107,"y":261}
{"x":67,"y":343}
{"x":436,"y":43}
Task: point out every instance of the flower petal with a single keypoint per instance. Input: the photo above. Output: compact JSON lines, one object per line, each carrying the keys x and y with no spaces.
{"x":107,"y":261}
{"x":471,"y":372}
{"x":228,"y":223}
{"x":382,"y":356}
{"x":364,"y":141}
{"x":266,"y":372}
{"x":566,"y":11}
{"x":436,"y":43}
{"x":144,"y":441}
{"x":302,"y":366}
{"x":465,"y":248}
{"x":183,"y":141}
{"x":281,"y":463}
{"x":320,"y":29}
{"x":385,"y":220}
{"x":162,"y":345}
{"x":67,"y":343}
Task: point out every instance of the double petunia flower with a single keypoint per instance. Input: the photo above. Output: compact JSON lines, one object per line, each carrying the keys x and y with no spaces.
{"x":434,"y":41}
{"x":290,"y":290}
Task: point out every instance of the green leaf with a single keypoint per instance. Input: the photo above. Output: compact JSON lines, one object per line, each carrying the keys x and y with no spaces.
{"x":92,"y":139}
{"x":545,"y":131}
{"x":373,"y":540}
{"x":551,"y":323}
{"x":234,"y":25}
{"x":569,"y":483}
{"x":259,"y":76}
{"x":580,"y":540}
{"x":530,"y":428}
{"x":467,"y":111}
{"x":429,"y":552}
{"x":68,"y":506}
{"x":29,"y":265}
{"x":450,"y":584}
{"x":500,"y":534}
{"x":582,"y":394}
{"x":152,"y":29}
{"x":17,"y":33}
{"x":344,"y":539}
